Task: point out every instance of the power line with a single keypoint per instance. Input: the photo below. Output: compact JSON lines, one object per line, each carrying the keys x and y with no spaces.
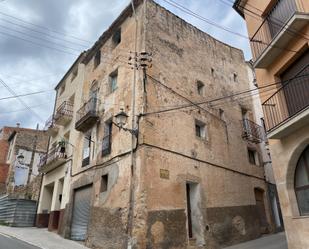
{"x":223,"y":97}
{"x":44,"y":33}
{"x":273,"y":20}
{"x":38,"y":44}
{"x":39,"y":38}
{"x":190,"y":12}
{"x":45,"y":28}
{"x":20,"y":100}
{"x":23,"y":95}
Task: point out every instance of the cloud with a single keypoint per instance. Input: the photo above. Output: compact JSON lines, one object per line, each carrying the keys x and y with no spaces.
{"x":27,"y":67}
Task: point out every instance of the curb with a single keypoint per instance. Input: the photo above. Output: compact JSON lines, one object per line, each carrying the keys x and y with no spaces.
{"x":15,"y":237}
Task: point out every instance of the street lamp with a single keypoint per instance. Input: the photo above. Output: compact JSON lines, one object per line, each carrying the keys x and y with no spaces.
{"x":121,"y":120}
{"x":20,"y":159}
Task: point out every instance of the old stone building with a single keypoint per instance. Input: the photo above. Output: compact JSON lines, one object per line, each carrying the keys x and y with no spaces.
{"x":279,"y":42}
{"x":150,"y":155}
{"x":24,"y":148}
{"x":5,"y":132}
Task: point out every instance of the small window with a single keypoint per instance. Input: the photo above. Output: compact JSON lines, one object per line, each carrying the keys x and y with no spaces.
{"x":200,"y":129}
{"x":107,"y":139}
{"x":74,"y":73}
{"x":200,"y":87}
{"x":253,"y":157}
{"x":113,"y":78}
{"x":212,"y":71}
{"x":86,"y":150}
{"x":97,"y":59}
{"x":116,"y":38}
{"x":235,"y":77}
{"x":104,"y":183}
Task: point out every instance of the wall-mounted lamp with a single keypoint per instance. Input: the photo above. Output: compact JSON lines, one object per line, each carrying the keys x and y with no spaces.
{"x":121,"y":120}
{"x":21,"y":159}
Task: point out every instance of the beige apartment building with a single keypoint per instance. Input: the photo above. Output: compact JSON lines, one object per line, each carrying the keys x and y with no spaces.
{"x":134,"y":162}
{"x":279,"y":33}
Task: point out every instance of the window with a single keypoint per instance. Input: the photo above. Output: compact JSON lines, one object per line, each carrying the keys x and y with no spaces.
{"x":200,"y":87}
{"x":212,"y":71}
{"x":200,"y":129}
{"x":107,"y":139}
{"x":74,"y":73}
{"x":97,"y":59}
{"x":86,"y":150}
{"x":104,"y":183}
{"x":235,"y":76}
{"x":302,"y":183}
{"x":116,"y":38}
{"x":113,"y":81}
{"x":253,"y":156}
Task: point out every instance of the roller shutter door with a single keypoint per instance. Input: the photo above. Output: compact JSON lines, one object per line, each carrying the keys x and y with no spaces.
{"x":81,"y":211}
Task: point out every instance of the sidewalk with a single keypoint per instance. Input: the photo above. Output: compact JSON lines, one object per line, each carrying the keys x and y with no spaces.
{"x":40,"y":238}
{"x":276,"y":241}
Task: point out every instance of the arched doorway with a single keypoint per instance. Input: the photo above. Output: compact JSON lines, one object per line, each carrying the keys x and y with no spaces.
{"x":301,"y":182}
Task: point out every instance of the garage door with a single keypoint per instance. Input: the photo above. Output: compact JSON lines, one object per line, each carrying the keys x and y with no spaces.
{"x":81,"y":211}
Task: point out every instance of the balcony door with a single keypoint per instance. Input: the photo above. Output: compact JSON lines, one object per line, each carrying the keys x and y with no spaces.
{"x":295,"y":81}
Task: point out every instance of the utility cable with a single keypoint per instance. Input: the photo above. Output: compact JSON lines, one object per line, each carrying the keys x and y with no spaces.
{"x":20,"y":100}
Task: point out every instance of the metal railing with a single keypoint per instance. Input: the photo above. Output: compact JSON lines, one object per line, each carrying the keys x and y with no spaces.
{"x":289,"y":100}
{"x":252,"y":131}
{"x":55,"y":153}
{"x":65,"y":109}
{"x":50,"y":122}
{"x":89,"y":108}
{"x":274,"y":22}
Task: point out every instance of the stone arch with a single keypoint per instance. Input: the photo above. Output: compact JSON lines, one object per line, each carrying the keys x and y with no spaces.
{"x":290,"y":174}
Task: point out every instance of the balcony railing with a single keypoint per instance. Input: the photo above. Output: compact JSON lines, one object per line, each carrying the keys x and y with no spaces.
{"x":87,"y":115}
{"x":64,"y":113}
{"x":53,"y":158}
{"x":252,"y":131}
{"x":275,"y":21}
{"x":289,"y":100}
{"x":50,"y":126}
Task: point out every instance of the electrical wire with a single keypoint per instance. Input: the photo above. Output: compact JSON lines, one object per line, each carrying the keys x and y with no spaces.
{"x":45,"y":28}
{"x":223,"y":97}
{"x":20,"y":100}
{"x":190,"y":12}
{"x":24,"y":95}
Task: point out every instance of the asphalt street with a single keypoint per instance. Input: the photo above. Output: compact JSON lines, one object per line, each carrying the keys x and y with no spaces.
{"x":7,"y":242}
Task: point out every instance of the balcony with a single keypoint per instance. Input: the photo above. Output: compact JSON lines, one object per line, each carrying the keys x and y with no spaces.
{"x":51,"y":127}
{"x":87,"y":115}
{"x":64,"y":113}
{"x":288,"y":109}
{"x":54,"y":158}
{"x":252,"y":132}
{"x":283,"y":23}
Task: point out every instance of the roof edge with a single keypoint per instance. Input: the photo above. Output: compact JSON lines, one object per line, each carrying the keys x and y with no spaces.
{"x":107,"y":34}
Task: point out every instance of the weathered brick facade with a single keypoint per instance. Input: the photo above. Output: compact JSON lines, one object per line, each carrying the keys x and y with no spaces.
{"x":31,"y":144}
{"x":175,"y":161}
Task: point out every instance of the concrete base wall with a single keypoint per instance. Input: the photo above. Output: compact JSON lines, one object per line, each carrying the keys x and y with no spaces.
{"x":42,"y":220}
{"x":53,"y":220}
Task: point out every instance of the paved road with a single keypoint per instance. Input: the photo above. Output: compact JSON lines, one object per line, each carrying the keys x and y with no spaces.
{"x":7,"y":242}
{"x":276,"y":241}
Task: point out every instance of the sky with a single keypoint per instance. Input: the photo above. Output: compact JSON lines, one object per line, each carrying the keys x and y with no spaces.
{"x":39,"y":41}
